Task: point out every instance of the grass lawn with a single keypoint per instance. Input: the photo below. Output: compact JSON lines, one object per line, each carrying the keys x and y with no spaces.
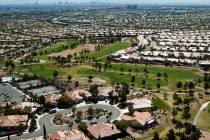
{"x":204,"y":120}
{"x":1,"y":64}
{"x":114,"y":77}
{"x":110,"y":49}
{"x":174,"y":74}
{"x":160,"y":104}
{"x":43,"y":70}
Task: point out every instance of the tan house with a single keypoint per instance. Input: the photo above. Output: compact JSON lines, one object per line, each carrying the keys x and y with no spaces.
{"x":78,"y":95}
{"x":52,"y":99}
{"x":12,"y":121}
{"x":103,"y":131}
{"x":140,"y":119}
{"x":73,"y":134}
{"x":103,"y":92}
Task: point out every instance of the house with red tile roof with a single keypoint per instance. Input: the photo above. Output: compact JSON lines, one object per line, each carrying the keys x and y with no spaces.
{"x":140,"y":119}
{"x":52,"y":99}
{"x":73,"y":134}
{"x":103,"y":131}
{"x":103,"y":92}
{"x":78,"y":95}
{"x":12,"y":121}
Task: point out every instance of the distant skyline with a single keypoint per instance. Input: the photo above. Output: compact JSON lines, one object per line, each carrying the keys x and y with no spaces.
{"x":153,"y":2}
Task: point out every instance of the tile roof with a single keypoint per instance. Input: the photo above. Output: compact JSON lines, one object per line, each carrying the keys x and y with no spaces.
{"x":141,"y":117}
{"x":13,"y":120}
{"x":69,"y":135}
{"x":102,"y":130}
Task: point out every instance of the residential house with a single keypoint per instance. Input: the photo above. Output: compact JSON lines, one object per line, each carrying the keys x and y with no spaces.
{"x":140,"y":119}
{"x":103,"y":131}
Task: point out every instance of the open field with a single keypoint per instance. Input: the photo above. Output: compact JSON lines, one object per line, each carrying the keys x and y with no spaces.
{"x":111,"y":48}
{"x":78,"y":49}
{"x":115,"y":76}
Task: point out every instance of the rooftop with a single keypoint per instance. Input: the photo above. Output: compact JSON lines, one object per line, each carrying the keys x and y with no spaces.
{"x":102,"y":130}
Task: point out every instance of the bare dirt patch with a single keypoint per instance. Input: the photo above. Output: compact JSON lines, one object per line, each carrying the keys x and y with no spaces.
{"x":78,"y":49}
{"x":95,"y":79}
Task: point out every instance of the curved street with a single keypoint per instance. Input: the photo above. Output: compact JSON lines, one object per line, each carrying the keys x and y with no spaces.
{"x":50,"y":127}
{"x":203,"y":106}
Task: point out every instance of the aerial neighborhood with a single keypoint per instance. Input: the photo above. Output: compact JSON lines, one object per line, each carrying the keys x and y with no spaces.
{"x":104,"y":72}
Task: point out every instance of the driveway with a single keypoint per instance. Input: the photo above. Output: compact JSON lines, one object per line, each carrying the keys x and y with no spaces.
{"x":50,"y":127}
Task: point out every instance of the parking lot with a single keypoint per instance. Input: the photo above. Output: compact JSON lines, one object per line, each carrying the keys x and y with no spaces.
{"x":9,"y":93}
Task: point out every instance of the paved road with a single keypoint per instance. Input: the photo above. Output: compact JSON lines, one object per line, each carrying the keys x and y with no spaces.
{"x":203,"y":106}
{"x":47,"y":120}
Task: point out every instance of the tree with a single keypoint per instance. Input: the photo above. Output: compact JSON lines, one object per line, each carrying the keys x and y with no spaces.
{"x":83,"y":127}
{"x":143,"y":83}
{"x":44,"y":132}
{"x":174,"y":112}
{"x":41,"y":100}
{"x":123,"y":94}
{"x":170,"y":135}
{"x":192,"y":132}
{"x":186,"y":112}
{"x":90,"y":78}
{"x":55,"y":73}
{"x":69,"y":78}
{"x":33,"y":125}
{"x":175,"y":96}
{"x":165,"y":76}
{"x":179,"y":101}
{"x":94,"y":91}
{"x":146,"y":72}
{"x":79,"y":116}
{"x":133,"y":78}
{"x":158,"y":75}
{"x":90,"y":112}
{"x":64,"y":102}
{"x":158,"y":87}
{"x":191,"y":85}
{"x":206,"y":86}
{"x":179,"y":85}
{"x":179,"y":125}
{"x":130,"y":109}
{"x":121,"y":125}
{"x":129,"y":70}
{"x":73,"y":110}
{"x":156,"y":136}
{"x":21,"y":128}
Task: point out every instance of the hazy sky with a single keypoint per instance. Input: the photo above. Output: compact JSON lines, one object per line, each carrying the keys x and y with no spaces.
{"x":115,"y":1}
